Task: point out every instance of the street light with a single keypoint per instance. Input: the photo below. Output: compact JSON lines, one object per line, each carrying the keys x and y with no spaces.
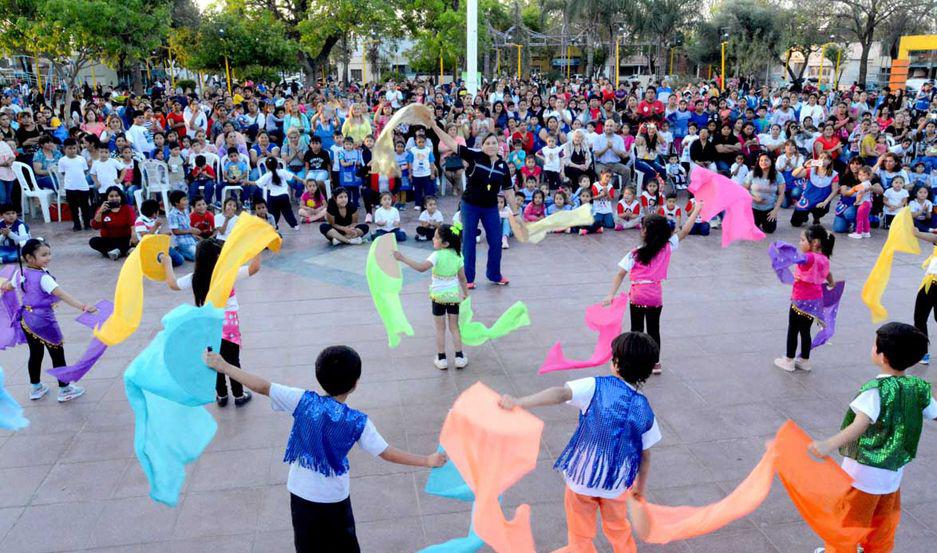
{"x":725,"y":42}
{"x":227,"y":68}
{"x":621,"y":31}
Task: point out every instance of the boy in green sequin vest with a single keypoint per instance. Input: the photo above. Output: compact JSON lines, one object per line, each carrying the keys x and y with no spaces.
{"x":880,"y":436}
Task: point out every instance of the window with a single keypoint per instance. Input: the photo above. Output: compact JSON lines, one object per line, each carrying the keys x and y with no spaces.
{"x":356,"y":74}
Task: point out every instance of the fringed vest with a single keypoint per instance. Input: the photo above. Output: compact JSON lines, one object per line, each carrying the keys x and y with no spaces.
{"x":324,"y":431}
{"x":605,"y":451}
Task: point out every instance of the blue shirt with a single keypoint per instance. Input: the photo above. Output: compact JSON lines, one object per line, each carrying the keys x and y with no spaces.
{"x":179,"y":220}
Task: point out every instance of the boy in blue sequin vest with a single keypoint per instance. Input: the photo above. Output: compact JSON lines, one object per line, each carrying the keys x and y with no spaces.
{"x":324,"y":431}
{"x":608,"y":454}
{"x":880,"y":435}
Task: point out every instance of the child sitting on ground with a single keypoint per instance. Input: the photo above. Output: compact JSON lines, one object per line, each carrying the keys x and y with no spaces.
{"x":13,"y":234}
{"x":430,"y":219}
{"x":312,"y":203}
{"x":535,"y":210}
{"x":324,"y":430}
{"x":387,"y":219}
{"x":202,"y":218}
{"x":629,"y":210}
{"x":671,"y":211}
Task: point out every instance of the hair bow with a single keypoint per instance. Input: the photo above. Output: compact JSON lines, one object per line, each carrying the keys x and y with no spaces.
{"x":457,"y":229}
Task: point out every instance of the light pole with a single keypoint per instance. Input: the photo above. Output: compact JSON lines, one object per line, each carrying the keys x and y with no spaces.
{"x":519,"y":47}
{"x":672,"y":49}
{"x":568,"y":62}
{"x":471,"y":47}
{"x":724,"y":43}
{"x":621,"y":31}
{"x":227,"y":67}
{"x":823,"y":58}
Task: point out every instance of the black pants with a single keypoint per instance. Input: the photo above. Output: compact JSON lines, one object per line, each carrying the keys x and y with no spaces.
{"x":323,"y":527}
{"x":798,"y":324}
{"x":923,"y":305}
{"x":368,"y":198}
{"x":37,"y":352}
{"x":79,"y":201}
{"x":230,"y":352}
{"x":104,"y":245}
{"x":762,"y":222}
{"x":280,"y":205}
{"x":640,"y":314}
{"x":426,"y":232}
{"x":798,"y":217}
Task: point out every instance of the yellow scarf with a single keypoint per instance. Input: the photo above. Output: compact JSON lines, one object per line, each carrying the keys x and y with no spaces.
{"x":900,"y":239}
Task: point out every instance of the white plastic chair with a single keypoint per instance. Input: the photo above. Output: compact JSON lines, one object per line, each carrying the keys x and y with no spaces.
{"x":156,"y":180}
{"x":58,"y":178}
{"x":27,"y":181}
{"x":138,"y":199}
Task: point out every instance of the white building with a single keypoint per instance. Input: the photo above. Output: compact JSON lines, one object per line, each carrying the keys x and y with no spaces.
{"x":393,"y":55}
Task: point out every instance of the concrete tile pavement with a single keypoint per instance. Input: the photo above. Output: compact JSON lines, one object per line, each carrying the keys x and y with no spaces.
{"x":70,"y":482}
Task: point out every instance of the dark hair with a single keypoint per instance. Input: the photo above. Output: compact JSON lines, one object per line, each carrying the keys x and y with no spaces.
{"x":30,"y":248}
{"x":315,"y":140}
{"x":149,"y":207}
{"x":657,"y":233}
{"x":69,"y":142}
{"x":272,"y":166}
{"x":197,"y":198}
{"x":259,"y":201}
{"x":671,"y":196}
{"x":634,"y":355}
{"x":200,"y":160}
{"x":338,"y":369}
{"x":175,"y":196}
{"x":429,"y":197}
{"x":772,"y":170}
{"x":902,"y":344}
{"x":448,"y":235}
{"x":123,"y":199}
{"x":232,"y":150}
{"x":826,"y":238}
{"x":206,"y":256}
{"x":6,"y":207}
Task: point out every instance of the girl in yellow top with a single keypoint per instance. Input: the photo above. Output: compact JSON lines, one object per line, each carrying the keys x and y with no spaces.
{"x":357,"y":126}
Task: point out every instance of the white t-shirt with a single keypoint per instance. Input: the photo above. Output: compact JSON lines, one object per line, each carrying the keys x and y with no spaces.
{"x":185,"y":283}
{"x":310,"y":485}
{"x":627,"y":262}
{"x":422,"y":160}
{"x":868,"y":479}
{"x":73,"y":173}
{"x":282,"y":189}
{"x":894,"y":197}
{"x":47,"y":282}
{"x":551,"y":158}
{"x":106,"y":172}
{"x":435,"y":217}
{"x":219,"y":222}
{"x":583,"y":389}
{"x":386,"y":218}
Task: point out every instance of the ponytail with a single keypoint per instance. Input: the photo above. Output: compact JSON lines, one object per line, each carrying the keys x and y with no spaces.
{"x":272,"y":168}
{"x":29,"y":248}
{"x":826,"y":239}
{"x":206,"y":256}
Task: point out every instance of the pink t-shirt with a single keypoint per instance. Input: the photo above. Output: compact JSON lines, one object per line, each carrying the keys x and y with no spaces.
{"x":646,"y":289}
{"x":809,"y":277}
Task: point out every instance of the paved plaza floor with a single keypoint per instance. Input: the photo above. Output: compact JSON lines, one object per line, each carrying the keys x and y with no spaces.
{"x":70,"y":481}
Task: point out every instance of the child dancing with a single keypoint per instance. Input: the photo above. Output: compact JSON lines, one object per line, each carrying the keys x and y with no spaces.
{"x":446,"y":291}
{"x":608,"y":455}
{"x":817,"y":245}
{"x":880,"y":436}
{"x":648,"y":267}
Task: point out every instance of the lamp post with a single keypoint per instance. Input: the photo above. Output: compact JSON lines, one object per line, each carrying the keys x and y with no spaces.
{"x":822,"y":59}
{"x":724,"y":43}
{"x":621,"y":31}
{"x":227,"y":67}
{"x":568,"y":63}
{"x":519,"y":47}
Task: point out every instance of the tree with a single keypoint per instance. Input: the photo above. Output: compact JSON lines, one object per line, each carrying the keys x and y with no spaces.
{"x":659,"y":21}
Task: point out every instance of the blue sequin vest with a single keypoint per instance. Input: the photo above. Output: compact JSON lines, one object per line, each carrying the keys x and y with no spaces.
{"x":324,"y":431}
{"x":605,"y":451}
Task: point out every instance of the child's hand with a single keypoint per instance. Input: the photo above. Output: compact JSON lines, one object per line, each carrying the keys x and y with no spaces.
{"x":398,"y":256}
{"x":820,"y":448}
{"x":89,"y":308}
{"x":507,"y":402}
{"x":607,"y":300}
{"x":214,"y":361}
{"x":436,"y":460}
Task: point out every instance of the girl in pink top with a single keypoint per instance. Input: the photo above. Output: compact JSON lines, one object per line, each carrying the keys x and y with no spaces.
{"x":648,"y":267}
{"x":816,"y":243}
{"x":535,"y":210}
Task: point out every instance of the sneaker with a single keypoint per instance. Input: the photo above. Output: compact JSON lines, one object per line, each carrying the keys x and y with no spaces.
{"x":241,"y":400}
{"x":114,"y":254}
{"x":39,"y":391}
{"x":715,"y":223}
{"x":416,"y":208}
{"x":657,"y":369}
{"x":356,"y":240}
{"x":368,"y":218}
{"x":503,"y":282}
{"x":504,"y":243}
{"x":460,"y":361}
{"x":601,"y":230}
{"x":855,"y":235}
{"x":867,"y":235}
{"x":924,"y":360}
{"x":441,"y":364}
{"x":619,"y":228}
{"x":478,"y":239}
{"x":470,"y":285}
{"x":222,"y":401}
{"x":70,"y":392}
{"x":820,"y":550}
{"x":803,"y":364}
{"x":336,"y":241}
{"x":420,"y":238}
{"x":296,"y":228}
{"x":785,"y":364}
{"x":583,"y":232}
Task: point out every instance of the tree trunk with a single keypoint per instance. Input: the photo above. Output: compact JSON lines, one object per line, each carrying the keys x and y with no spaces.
{"x":137,"y":76}
{"x":864,"y":59}
{"x":590,"y":54}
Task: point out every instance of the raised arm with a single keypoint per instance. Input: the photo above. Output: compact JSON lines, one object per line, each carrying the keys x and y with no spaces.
{"x":415,"y":265}
{"x":550,"y":396}
{"x":690,"y":221}
{"x":252,"y":381}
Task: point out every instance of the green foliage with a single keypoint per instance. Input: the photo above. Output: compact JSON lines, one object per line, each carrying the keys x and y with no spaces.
{"x":755,"y":36}
{"x":395,"y":76}
{"x":186,"y":84}
{"x":249,"y":40}
{"x":442,"y":32}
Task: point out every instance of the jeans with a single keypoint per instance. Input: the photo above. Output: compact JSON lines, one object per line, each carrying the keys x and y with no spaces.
{"x":649,"y":169}
{"x":209,"y":190}
{"x":187,"y":251}
{"x":6,"y":191}
{"x":505,"y":227}
{"x":45,"y":182}
{"x":723,"y":166}
{"x":399,"y":234}
{"x":176,"y":257}
{"x":422,"y":187}
{"x":491,"y":221}
{"x":9,"y":255}
{"x":606,"y":220}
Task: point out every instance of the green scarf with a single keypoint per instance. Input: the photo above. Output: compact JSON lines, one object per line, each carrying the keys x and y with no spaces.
{"x":385,"y":282}
{"x":476,"y":334}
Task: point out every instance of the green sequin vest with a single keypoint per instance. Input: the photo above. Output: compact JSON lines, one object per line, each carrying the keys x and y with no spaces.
{"x":891,"y":442}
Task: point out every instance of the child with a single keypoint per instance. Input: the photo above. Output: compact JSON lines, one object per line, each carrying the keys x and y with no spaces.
{"x":700,"y":227}
{"x":41,"y":292}
{"x":559,"y":203}
{"x":530,"y":186}
{"x":550,"y":156}
{"x":608,"y":455}
{"x":676,"y":174}
{"x":446,"y":291}
{"x":921,"y":210}
{"x":895,"y":198}
{"x":148,"y":222}
{"x":648,"y":267}
{"x":229,"y":216}
{"x":104,"y":170}
{"x":235,"y":174}
{"x":603,"y":194}
{"x":312,"y":202}
{"x":863,"y":194}
{"x":920,"y":177}
{"x":275,"y":184}
{"x":13,"y":234}
{"x":260,"y":210}
{"x":583,"y":184}
{"x":629,"y":210}
{"x":422,"y":170}
{"x":926,"y":300}
{"x":202,"y":219}
{"x":77,"y":192}
{"x":184,"y":237}
{"x":403,"y":165}
{"x":585,"y":198}
{"x":203,"y":176}
{"x":651,"y":198}
{"x":176,"y":164}
{"x":671,"y":211}
{"x":334,"y":150}
{"x":739,"y":170}
{"x":517,"y":157}
{"x":535,"y":210}
{"x":387,"y":219}
{"x":206,"y":257}
{"x":817,"y":245}
{"x":349,"y":161}
{"x":430,"y":220}
{"x":880,"y":436}
{"x":504,"y":213}
{"x":531,"y":172}
{"x":324,"y":431}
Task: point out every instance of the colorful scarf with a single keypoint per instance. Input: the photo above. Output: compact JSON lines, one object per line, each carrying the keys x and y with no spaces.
{"x":476,"y":334}
{"x":385,"y":282}
{"x":11,"y":414}
{"x":607,"y":321}
{"x":718,"y":194}
{"x":900,"y":239}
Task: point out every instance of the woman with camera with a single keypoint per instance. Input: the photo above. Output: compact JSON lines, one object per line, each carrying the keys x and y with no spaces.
{"x":115,"y":221}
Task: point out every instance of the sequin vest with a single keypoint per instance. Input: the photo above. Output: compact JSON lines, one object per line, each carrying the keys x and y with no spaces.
{"x":605,"y":451}
{"x":891,"y":442}
{"x":324,"y":431}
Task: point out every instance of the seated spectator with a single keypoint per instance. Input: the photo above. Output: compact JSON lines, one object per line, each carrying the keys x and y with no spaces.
{"x":115,"y":219}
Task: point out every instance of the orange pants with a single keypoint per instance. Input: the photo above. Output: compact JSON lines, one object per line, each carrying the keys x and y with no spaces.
{"x":880,"y":512}
{"x":580,"y":523}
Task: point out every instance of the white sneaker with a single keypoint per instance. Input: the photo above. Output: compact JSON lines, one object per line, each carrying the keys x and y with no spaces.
{"x":715,"y":223}
{"x":114,"y":254}
{"x":855,"y":235}
{"x":70,"y":392}
{"x":441,"y":364}
{"x":356,"y":240}
{"x":504,"y":243}
{"x":803,"y":364}
{"x":39,"y":391}
{"x":867,"y":235}
{"x":478,"y":239}
{"x":785,"y":364}
{"x":820,"y":550}
{"x":368,"y":218}
{"x":461,"y":362}
{"x":416,"y":208}
{"x":336,"y":241}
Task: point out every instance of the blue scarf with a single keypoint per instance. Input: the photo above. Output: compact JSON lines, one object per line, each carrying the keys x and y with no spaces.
{"x":324,"y":431}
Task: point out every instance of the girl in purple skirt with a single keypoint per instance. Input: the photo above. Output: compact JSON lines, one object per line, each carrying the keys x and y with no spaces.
{"x":36,"y":317}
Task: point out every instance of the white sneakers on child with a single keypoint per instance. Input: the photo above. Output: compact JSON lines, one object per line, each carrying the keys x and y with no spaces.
{"x":356,"y":240}
{"x":70,"y":392}
{"x":114,"y":254}
{"x":461,"y":361}
{"x":785,"y":364}
{"x":803,"y":364}
{"x":860,"y":235}
{"x":504,"y":243}
{"x":39,"y":391}
{"x":441,"y":364}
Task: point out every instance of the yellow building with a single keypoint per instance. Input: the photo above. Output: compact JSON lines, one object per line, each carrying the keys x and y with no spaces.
{"x":901,"y":65}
